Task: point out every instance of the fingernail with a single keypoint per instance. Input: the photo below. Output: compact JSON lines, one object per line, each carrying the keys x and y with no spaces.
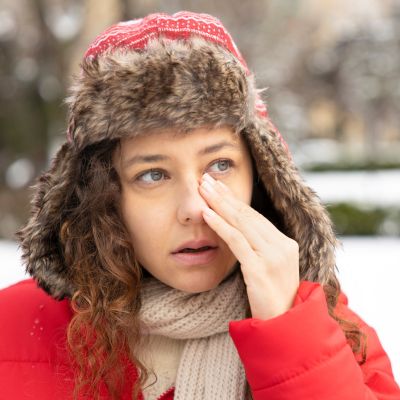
{"x":209,"y":178}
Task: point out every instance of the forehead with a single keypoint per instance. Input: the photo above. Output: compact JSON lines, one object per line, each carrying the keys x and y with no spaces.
{"x":170,"y":140}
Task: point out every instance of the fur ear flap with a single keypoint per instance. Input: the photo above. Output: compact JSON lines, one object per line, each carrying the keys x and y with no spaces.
{"x":42,"y":252}
{"x":305,"y":218}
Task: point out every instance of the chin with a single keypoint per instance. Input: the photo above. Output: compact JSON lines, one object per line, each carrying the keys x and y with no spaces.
{"x":199,"y":285}
{"x":201,"y":280}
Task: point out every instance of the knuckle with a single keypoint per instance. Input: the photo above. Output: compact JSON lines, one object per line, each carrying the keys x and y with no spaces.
{"x":242,"y":209}
{"x":234,"y":237}
{"x":243,"y":212}
{"x":237,"y":216}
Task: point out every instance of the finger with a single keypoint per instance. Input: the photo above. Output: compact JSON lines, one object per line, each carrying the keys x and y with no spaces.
{"x":228,"y":195}
{"x":254,"y":226}
{"x":251,"y":263}
{"x":230,"y":198}
{"x":229,"y":213}
{"x":235,"y":240}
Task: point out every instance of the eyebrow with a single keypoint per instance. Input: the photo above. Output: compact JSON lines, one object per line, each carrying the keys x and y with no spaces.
{"x":149,"y":158}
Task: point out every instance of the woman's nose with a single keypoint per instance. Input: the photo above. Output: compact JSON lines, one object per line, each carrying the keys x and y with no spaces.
{"x":191,"y":203}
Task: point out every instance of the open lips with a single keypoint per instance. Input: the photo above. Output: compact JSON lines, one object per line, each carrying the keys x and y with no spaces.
{"x":189,"y":250}
{"x":195,"y":246}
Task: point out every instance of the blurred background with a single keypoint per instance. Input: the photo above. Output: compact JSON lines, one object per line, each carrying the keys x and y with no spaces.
{"x":332,"y":69}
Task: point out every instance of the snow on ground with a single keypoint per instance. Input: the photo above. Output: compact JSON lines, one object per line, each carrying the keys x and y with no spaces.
{"x":365,"y":187}
{"x":11,"y":269}
{"x":369,"y":271}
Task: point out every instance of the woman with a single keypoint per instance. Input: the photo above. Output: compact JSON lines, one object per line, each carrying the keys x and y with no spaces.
{"x":191,"y":259}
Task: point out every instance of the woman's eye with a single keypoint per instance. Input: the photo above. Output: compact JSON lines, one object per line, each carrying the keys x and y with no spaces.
{"x":153,"y":175}
{"x":224,"y":165}
{"x":156,"y":175}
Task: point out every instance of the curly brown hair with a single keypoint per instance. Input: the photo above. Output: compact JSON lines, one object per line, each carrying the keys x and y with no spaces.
{"x":104,"y":331}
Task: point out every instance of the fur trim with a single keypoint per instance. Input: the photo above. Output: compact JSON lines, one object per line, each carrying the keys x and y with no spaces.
{"x":41,"y":249}
{"x":306,"y":219}
{"x":126,"y":93}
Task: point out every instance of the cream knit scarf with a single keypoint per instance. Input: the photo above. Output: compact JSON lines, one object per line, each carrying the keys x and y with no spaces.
{"x":210,"y":367}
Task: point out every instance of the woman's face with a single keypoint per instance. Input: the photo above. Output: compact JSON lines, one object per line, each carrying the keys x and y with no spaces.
{"x":162,"y":205}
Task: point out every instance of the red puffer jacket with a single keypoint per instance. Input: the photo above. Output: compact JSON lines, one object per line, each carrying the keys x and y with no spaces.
{"x":301,"y":354}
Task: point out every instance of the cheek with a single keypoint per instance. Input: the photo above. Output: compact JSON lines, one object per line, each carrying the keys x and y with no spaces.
{"x":243,"y":188}
{"x":144,"y":220}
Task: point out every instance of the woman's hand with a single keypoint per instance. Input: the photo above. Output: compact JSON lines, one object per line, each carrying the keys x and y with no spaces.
{"x":269,"y":259}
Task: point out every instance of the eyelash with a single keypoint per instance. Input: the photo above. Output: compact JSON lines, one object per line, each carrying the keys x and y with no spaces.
{"x":231,"y":164}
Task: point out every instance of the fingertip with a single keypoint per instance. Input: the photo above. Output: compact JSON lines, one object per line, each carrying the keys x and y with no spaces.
{"x":208,"y":212}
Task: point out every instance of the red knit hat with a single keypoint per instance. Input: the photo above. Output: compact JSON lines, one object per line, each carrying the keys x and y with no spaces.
{"x":136,"y":33}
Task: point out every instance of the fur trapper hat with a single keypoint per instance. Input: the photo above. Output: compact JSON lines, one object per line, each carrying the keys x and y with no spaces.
{"x":182,"y":71}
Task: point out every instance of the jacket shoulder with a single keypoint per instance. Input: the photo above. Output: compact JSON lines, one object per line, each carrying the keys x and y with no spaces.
{"x":33,"y":323}
{"x":300,"y":353}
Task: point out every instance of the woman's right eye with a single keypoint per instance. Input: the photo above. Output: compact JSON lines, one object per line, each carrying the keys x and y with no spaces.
{"x":150,"y":176}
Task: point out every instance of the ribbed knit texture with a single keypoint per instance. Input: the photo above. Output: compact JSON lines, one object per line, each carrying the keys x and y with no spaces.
{"x":161,"y":356}
{"x":210,"y":367}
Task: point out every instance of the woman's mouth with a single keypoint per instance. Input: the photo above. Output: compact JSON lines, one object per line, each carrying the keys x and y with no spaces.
{"x":202,"y":255}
